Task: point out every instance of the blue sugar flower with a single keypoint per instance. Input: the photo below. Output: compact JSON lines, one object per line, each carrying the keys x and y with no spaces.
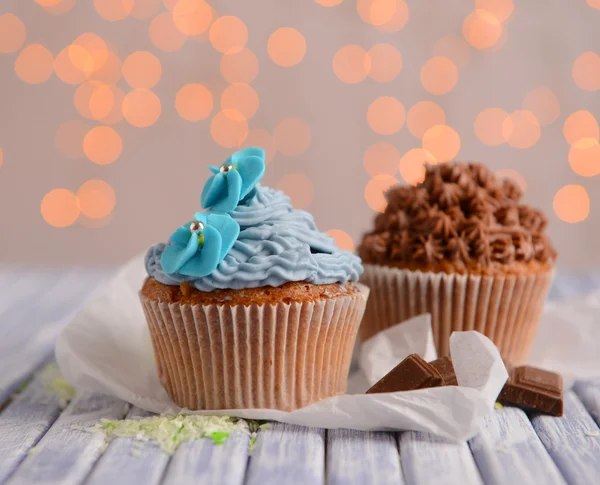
{"x":233,"y":180}
{"x":198,"y":247}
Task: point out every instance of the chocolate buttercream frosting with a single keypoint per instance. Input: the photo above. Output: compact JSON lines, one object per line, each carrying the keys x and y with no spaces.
{"x":460,"y":213}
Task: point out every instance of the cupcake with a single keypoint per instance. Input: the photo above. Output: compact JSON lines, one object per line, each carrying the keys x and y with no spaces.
{"x":248,"y":304}
{"x":462,"y":247}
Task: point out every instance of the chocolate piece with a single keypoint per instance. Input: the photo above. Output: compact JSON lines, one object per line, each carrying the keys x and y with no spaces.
{"x":532,"y":388}
{"x":444,"y":366}
{"x":410,"y":374}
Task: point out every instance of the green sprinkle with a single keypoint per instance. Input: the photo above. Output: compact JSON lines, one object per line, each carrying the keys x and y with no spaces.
{"x":219,"y":437}
{"x":55,"y":382}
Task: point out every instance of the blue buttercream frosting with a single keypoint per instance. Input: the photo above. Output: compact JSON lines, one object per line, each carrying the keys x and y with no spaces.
{"x":276,"y":245}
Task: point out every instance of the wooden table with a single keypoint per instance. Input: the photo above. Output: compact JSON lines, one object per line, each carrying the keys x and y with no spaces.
{"x":40,"y":443}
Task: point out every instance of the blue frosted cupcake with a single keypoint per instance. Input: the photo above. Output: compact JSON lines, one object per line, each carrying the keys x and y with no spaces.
{"x":248,"y":304}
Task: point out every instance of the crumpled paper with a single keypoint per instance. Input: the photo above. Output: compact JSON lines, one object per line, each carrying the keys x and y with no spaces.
{"x":107,"y":348}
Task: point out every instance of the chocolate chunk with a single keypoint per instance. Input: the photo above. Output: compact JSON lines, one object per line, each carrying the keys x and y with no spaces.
{"x":410,"y":374}
{"x":532,"y":388}
{"x":444,"y":366}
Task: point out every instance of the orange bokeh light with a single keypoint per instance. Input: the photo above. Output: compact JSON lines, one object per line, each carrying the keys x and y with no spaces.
{"x":422,"y":116}
{"x":514,"y":176}
{"x":194,"y":102}
{"x":110,"y":72}
{"x":94,"y":100}
{"x":69,"y":138}
{"x":342,"y":239}
{"x":12,"y":33}
{"x":66,"y":70}
{"x":102,"y":145}
{"x":398,"y":20}
{"x":375,"y":190}
{"x":142,"y":70}
{"x":241,"y":67}
{"x":96,"y":199}
{"x":89,"y":53}
{"x":192,"y":17}
{"x":381,"y":158}
{"x":501,"y":9}
{"x":386,"y":62}
{"x":61,"y":7}
{"x":35,"y":64}
{"x":376,"y":12}
{"x":228,"y":35}
{"x":60,"y":208}
{"x":454,"y":48}
{"x":299,"y":188}
{"x":229,"y":128}
{"x":164,"y":34}
{"x":594,"y":4}
{"x":442,"y":142}
{"x":488,"y":126}
{"x":586,"y":71}
{"x":240,"y":97}
{"x":543,"y":103}
{"x":579,"y":125}
{"x":329,"y":3}
{"x":141,"y":108}
{"x":521,"y":129}
{"x":292,"y":136}
{"x":439,"y":75}
{"x":351,"y":64}
{"x":286,"y":47}
{"x":170,"y":4}
{"x":47,"y":3}
{"x":144,"y":9}
{"x":481,"y":29}
{"x":412,"y":165}
{"x":572,"y":204}
{"x":114,"y":10}
{"x":584,"y":157}
{"x":100,"y":100}
{"x":258,"y":137}
{"x":386,"y":115}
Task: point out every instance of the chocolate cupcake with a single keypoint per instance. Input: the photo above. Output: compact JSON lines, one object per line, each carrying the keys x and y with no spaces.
{"x":460,"y":246}
{"x":249,"y":305}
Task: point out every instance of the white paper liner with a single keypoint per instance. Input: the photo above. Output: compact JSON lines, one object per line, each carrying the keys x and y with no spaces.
{"x":504,"y":308}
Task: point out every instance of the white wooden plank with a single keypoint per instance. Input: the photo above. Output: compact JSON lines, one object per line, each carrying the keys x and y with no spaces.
{"x":287,"y":454}
{"x":128,"y":461}
{"x":573,"y":441}
{"x":507,"y":450}
{"x":67,"y":453}
{"x":201,"y":462}
{"x":362,"y":457}
{"x":428,"y":459}
{"x":589,"y":394}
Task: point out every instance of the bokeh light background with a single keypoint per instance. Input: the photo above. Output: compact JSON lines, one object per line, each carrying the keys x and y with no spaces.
{"x":110,"y":111}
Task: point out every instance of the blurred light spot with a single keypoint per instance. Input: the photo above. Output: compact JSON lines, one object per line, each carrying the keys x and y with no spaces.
{"x":115,"y":114}
{"x":442,"y":142}
{"x":192,"y":17}
{"x":89,"y":53}
{"x":60,"y":208}
{"x":164,"y":34}
{"x":351,"y":64}
{"x":454,"y":48}
{"x":12,"y":33}
{"x":375,"y":190}
{"x":514,"y":176}
{"x":110,"y":72}
{"x":261,"y":138}
{"x":579,"y":125}
{"x":66,"y":70}
{"x":412,"y":165}
{"x":94,"y":100}
{"x":386,"y":63}
{"x":488,"y":126}
{"x":142,"y":70}
{"x":501,"y":9}
{"x":114,"y":10}
{"x":35,"y":64}
{"x":144,"y":9}
{"x":481,"y":29}
{"x":96,"y":199}
{"x":292,"y":136}
{"x":47,"y":3}
{"x":229,"y":128}
{"x":102,"y":145}
{"x":342,"y":239}
{"x":572,"y":204}
{"x":81,"y":59}
{"x":60,"y":8}
{"x":141,"y":108}
{"x":521,"y":129}
{"x":228,"y":35}
{"x":376,"y":12}
{"x":439,"y":75}
{"x":69,"y":138}
{"x":381,"y":158}
{"x":286,"y":47}
{"x":501,"y":41}
{"x":424,"y":115}
{"x":398,"y":20}
{"x":386,"y":115}
{"x":584,"y":157}
{"x":299,"y":188}
{"x":170,"y":4}
{"x":329,"y":3}
{"x":241,"y":98}
{"x":241,"y":67}
{"x":586,"y":71}
{"x":594,"y":4}
{"x":543,"y":103}
{"x":194,"y":102}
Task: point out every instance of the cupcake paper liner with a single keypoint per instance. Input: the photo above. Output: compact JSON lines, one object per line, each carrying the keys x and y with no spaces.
{"x":282,"y":356}
{"x":504,"y":308}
